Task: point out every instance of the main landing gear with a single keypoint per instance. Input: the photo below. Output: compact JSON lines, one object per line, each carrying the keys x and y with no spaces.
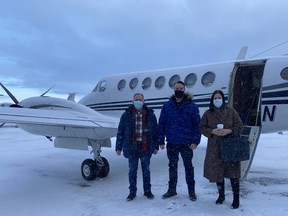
{"x":99,"y":167}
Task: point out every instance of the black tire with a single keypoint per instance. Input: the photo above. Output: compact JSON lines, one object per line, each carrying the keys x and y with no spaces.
{"x":88,"y":169}
{"x":103,"y":169}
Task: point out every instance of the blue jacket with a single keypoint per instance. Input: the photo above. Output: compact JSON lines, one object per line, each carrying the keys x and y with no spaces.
{"x":127,"y":126}
{"x":179,"y":123}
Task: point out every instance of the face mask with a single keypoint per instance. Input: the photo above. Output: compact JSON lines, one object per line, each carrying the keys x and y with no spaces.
{"x":179,"y":94}
{"x":217,"y":103}
{"x":138,"y":104}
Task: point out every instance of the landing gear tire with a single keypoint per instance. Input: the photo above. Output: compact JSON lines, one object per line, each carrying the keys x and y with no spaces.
{"x":103,"y":168}
{"x":88,"y":169}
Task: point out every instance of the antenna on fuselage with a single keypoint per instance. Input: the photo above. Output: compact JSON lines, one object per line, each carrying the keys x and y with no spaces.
{"x":270,"y":49}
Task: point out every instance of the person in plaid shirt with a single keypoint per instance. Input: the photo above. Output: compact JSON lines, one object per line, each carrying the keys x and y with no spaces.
{"x":137,"y":138}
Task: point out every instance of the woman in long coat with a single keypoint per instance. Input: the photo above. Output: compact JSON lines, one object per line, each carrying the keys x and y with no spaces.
{"x":215,"y":170}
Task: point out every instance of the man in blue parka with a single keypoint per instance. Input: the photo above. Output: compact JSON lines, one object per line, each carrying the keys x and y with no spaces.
{"x":137,"y":137}
{"x":179,"y":123}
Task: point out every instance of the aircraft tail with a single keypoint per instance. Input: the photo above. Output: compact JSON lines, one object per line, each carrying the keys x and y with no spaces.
{"x":242,"y":53}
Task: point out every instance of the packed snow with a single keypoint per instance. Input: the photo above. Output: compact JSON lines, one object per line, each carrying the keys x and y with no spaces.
{"x":38,"y":179}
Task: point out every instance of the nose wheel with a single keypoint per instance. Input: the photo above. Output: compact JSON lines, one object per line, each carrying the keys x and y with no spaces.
{"x":90,"y":169}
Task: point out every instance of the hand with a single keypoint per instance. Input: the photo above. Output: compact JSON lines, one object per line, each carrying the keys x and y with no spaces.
{"x":193,"y":146}
{"x":162,"y":146}
{"x":118,"y":152}
{"x":221,"y":132}
{"x":155,"y":151}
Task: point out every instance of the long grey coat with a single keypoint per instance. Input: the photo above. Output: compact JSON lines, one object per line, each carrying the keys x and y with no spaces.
{"x":215,"y":170}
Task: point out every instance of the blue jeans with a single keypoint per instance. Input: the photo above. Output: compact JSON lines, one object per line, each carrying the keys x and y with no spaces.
{"x":133,"y":167}
{"x":186,"y":153}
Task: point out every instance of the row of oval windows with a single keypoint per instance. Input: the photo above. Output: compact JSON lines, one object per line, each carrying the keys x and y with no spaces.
{"x":189,"y":81}
{"x":207,"y":80}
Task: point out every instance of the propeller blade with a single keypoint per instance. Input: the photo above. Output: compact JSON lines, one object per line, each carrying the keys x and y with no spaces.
{"x":2,"y":125}
{"x":10,"y":94}
{"x":47,"y":90}
{"x":49,"y":138}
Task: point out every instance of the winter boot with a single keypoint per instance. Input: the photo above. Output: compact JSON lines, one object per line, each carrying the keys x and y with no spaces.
{"x":236,"y":190}
{"x":191,"y":191}
{"x":221,"y":190}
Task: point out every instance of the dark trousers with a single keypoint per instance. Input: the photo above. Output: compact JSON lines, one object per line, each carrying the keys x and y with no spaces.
{"x":133,"y":167}
{"x":173,"y":156}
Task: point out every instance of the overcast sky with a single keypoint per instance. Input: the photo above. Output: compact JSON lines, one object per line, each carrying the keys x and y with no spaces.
{"x":74,"y":43}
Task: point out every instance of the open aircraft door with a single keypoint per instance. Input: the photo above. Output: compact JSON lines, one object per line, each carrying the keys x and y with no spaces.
{"x":245,"y":97}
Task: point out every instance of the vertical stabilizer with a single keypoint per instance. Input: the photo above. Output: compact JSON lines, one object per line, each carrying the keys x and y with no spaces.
{"x":242,"y":53}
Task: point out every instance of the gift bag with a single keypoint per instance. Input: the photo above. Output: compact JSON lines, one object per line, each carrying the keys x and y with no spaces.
{"x":234,"y":148}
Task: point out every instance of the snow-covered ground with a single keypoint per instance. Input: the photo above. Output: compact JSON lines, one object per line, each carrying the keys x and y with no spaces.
{"x":38,"y":179}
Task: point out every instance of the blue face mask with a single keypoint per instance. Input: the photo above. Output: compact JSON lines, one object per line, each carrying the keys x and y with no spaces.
{"x":218,"y":103}
{"x":138,"y":105}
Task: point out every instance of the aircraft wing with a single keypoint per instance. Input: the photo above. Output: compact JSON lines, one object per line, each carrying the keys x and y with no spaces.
{"x":61,"y":122}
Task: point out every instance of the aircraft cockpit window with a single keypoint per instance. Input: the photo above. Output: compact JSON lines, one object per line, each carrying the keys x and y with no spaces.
{"x":102,"y":86}
{"x":159,"y":82}
{"x":146,"y":83}
{"x":173,"y":80}
{"x":190,"y":80}
{"x":121,"y":84}
{"x":284,"y":73}
{"x":208,"y":79}
{"x":133,"y":83}
{"x":96,"y":88}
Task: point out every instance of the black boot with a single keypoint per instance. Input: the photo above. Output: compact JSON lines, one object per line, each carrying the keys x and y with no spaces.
{"x":191,"y":190}
{"x":236,"y":189}
{"x":221,"y":190}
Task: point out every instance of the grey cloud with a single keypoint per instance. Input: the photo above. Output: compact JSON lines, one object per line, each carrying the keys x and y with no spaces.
{"x":73,"y":43}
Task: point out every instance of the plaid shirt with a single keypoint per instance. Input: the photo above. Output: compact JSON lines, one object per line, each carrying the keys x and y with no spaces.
{"x":138,"y":127}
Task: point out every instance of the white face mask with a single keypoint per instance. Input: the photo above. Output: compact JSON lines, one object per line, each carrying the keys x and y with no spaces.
{"x":218,"y":103}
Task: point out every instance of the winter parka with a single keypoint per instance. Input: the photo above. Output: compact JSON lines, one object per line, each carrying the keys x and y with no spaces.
{"x":179,"y":122}
{"x":127,"y":126}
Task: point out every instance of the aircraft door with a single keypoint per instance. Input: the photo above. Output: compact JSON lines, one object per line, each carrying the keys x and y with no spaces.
{"x":245,"y":98}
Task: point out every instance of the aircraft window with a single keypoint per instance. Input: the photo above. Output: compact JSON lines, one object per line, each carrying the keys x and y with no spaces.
{"x":173,"y":80}
{"x":146,"y":83}
{"x":159,"y":82}
{"x":95,"y":89}
{"x":121,"y":85}
{"x":102,"y":86}
{"x":190,"y":80}
{"x":133,"y":83}
{"x":284,"y":73}
{"x":208,"y":78}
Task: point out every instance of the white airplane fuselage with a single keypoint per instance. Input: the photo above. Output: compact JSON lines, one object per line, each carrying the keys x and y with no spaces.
{"x":270,"y":99}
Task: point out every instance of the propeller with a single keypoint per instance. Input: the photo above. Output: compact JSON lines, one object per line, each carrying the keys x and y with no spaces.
{"x":47,"y":91}
{"x":16,"y":102}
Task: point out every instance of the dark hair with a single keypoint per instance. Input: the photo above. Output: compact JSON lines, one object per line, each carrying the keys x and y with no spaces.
{"x":211,"y":105}
{"x":138,"y":94}
{"x":179,"y":82}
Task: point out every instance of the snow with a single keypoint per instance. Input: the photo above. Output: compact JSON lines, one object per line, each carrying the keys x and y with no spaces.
{"x":38,"y":179}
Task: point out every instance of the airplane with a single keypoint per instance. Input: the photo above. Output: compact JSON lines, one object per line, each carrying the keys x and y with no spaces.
{"x":257,"y":88}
